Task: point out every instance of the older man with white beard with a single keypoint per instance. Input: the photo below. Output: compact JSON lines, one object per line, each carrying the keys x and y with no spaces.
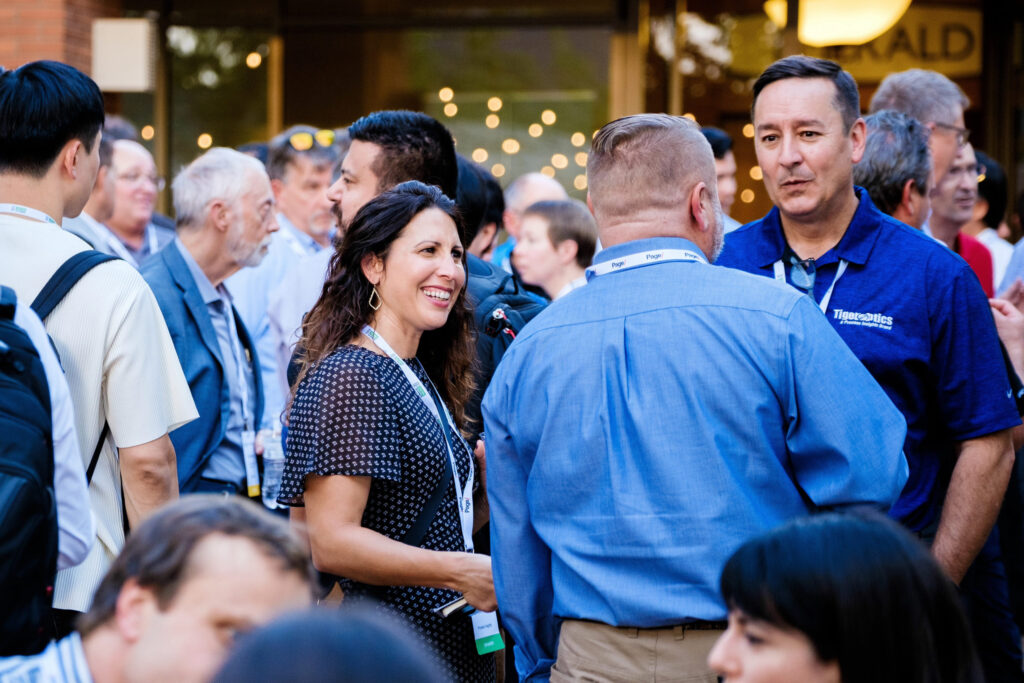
{"x":225,"y":214}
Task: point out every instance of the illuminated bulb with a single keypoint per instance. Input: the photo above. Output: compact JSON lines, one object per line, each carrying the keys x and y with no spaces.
{"x":578,"y":139}
{"x":445,"y":94}
{"x":494,"y":103}
{"x":497,"y":170}
{"x":480,"y":155}
{"x":510,"y":146}
{"x":204,"y":141}
{"x":559,"y":160}
{"x":451,"y":109}
{"x":690,"y":116}
{"x":581,"y":159}
{"x":580,"y":182}
{"x":548,"y":117}
{"x":548,"y":171}
{"x":747,"y":196}
{"x":748,"y":130}
{"x":535,"y":130}
{"x":492,"y":121}
{"x":253,"y":60}
{"x":756,"y":173}
{"x":147,"y":132}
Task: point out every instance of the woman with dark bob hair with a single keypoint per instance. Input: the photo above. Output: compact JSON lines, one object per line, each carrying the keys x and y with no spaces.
{"x":841,"y":598}
{"x":374,"y":452}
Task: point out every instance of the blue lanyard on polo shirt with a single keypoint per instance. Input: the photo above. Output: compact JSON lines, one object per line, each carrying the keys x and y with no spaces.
{"x":34,"y":214}
{"x":643,"y":258}
{"x":780,"y":275}
{"x":464,"y":500}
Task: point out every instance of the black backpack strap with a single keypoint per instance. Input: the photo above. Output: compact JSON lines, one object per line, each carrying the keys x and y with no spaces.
{"x":8,"y":303}
{"x":96,"y":454}
{"x":72,"y":270}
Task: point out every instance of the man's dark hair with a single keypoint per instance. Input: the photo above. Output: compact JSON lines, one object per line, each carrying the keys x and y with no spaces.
{"x":106,"y":150}
{"x":993,"y":188}
{"x":43,"y":106}
{"x":158,"y":555}
{"x":281,"y":152}
{"x":847,"y":98}
{"x":413,"y":147}
{"x":896,"y":150}
{"x":720,"y":141}
{"x":119,"y":128}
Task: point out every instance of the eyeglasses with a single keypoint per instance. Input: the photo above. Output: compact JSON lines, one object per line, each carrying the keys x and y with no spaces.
{"x":303,"y":141}
{"x":974,"y":172}
{"x":803,"y":274}
{"x":134,"y":177}
{"x":961,"y":133}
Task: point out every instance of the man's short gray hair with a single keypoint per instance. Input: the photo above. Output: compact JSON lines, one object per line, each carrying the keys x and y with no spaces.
{"x":896,"y":151}
{"x":639,"y":163}
{"x":220,"y":173}
{"x":928,"y":96}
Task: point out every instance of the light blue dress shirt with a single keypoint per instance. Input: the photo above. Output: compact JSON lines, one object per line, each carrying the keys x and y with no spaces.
{"x":227,"y":462}
{"x":252,"y":288}
{"x":643,"y":428}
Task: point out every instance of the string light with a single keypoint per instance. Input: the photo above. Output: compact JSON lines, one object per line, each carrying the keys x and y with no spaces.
{"x":498,"y":170}
{"x":756,"y":173}
{"x":492,"y":121}
{"x":581,"y":159}
{"x":548,"y":171}
{"x":480,"y":155}
{"x":748,"y":130}
{"x":578,"y":139}
{"x":535,"y":130}
{"x":548,"y":117}
{"x":494,"y":103}
{"x":559,"y":160}
{"x":204,"y":141}
{"x":451,"y":109}
{"x":580,"y":182}
{"x":147,"y":132}
{"x":253,"y":60}
{"x":747,"y":196}
{"x":510,"y":146}
{"x":445,"y":94}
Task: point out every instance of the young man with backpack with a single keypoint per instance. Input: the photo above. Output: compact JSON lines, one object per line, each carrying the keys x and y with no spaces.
{"x":127,"y":387}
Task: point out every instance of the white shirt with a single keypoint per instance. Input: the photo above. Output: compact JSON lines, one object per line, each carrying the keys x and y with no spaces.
{"x":63,"y":661}
{"x":75,"y":526}
{"x":571,"y":285}
{"x":1002,"y":252}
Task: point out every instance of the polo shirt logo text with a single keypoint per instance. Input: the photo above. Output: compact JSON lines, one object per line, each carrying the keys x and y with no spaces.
{"x":878,"y":320}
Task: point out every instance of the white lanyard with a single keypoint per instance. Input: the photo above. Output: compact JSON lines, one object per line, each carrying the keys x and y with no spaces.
{"x":641,"y":259}
{"x":252,"y":471}
{"x":465,"y":499}
{"x":34,"y":214}
{"x":780,"y":275}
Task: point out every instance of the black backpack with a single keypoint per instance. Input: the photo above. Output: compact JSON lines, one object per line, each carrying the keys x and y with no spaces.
{"x":501,"y":309}
{"x":28,"y":509}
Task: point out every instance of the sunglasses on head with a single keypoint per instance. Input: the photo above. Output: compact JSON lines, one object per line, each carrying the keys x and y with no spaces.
{"x":303,"y":141}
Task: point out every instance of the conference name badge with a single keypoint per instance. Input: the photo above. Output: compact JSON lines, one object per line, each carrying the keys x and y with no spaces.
{"x":485,"y":632}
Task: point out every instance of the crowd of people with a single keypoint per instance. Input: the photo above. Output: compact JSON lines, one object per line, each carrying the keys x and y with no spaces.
{"x":633,"y":441}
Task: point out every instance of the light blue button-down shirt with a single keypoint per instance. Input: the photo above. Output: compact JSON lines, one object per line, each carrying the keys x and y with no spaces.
{"x":252,"y":288}
{"x":227,"y":462}
{"x":643,"y":428}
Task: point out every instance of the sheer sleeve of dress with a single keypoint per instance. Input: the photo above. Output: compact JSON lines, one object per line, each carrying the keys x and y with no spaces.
{"x":343,"y":421}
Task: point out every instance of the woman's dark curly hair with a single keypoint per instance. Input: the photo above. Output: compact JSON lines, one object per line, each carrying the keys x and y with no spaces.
{"x":447,"y":353}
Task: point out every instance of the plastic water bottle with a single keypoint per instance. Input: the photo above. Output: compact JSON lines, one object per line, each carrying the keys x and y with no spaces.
{"x":273,"y":466}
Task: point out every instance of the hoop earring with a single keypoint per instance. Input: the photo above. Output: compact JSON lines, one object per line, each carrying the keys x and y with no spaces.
{"x":374,"y":294}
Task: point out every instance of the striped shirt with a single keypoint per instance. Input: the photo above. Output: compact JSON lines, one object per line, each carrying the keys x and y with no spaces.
{"x":63,"y":661}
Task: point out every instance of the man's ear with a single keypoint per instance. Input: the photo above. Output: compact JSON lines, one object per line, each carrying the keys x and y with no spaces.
{"x":276,"y":186}
{"x":220,"y":214}
{"x":72,"y":156}
{"x":701,"y":211}
{"x":133,"y":609}
{"x":910,"y":198}
{"x":858,"y":139}
{"x":373,"y":268}
{"x":590,"y":203}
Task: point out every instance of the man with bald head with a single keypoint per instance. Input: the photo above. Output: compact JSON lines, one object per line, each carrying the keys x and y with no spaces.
{"x":641,"y":429}
{"x":133,"y":235}
{"x":525,"y":190}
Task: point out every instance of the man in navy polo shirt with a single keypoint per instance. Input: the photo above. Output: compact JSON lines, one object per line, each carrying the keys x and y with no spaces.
{"x":911,"y":310}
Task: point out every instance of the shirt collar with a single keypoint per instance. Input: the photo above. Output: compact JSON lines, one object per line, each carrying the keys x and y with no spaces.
{"x":855,"y":245}
{"x":639,"y":246}
{"x":305,"y":241}
{"x":206,"y":289}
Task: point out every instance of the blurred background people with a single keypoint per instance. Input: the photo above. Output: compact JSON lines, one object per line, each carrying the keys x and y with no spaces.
{"x":135,"y":236}
{"x":725,"y":171}
{"x":556,"y":244}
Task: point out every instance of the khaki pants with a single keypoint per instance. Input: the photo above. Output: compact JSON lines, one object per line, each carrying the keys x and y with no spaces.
{"x":589,"y":651}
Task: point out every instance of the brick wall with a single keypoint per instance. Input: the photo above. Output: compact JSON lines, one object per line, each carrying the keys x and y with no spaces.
{"x":51,"y":29}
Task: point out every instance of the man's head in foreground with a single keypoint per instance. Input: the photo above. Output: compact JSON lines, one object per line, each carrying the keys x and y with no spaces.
{"x":638,"y":188}
{"x":188,"y":581}
{"x":50,"y":119}
{"x":896,"y":168}
{"x":388,"y":148}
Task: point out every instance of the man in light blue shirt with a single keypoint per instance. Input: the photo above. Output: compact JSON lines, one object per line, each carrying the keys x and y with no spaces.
{"x":300,"y":162}
{"x":642,"y":429}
